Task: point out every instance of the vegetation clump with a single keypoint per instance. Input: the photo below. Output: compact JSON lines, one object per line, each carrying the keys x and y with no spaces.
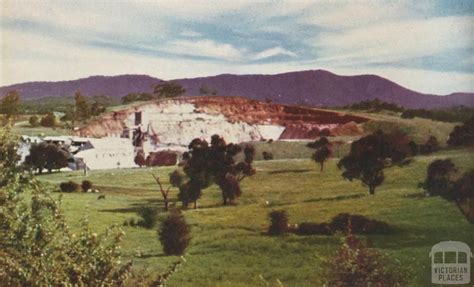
{"x":174,"y":234}
{"x":149,"y":217}
{"x":68,"y":186}
{"x":86,"y":185}
{"x":357,"y":265}
{"x":38,"y":248}
{"x":370,"y":155}
{"x":462,"y":135}
{"x":278,"y":222}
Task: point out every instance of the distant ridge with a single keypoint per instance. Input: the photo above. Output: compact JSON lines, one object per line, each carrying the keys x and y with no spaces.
{"x":314,"y":87}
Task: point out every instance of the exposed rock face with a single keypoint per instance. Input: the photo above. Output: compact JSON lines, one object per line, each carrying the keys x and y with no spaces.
{"x":178,"y":121}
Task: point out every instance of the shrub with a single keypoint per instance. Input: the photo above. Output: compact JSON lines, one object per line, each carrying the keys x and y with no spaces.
{"x":69,"y":186}
{"x":356,"y":265}
{"x":174,"y":234}
{"x":430,"y":146}
{"x":439,"y":177}
{"x":267,"y":155}
{"x":86,"y":185}
{"x":462,"y":135}
{"x":311,"y":228}
{"x":345,"y":222}
{"x":34,"y":121}
{"x":150,"y":217}
{"x":140,"y":159}
{"x":48,"y":121}
{"x":279,"y":222}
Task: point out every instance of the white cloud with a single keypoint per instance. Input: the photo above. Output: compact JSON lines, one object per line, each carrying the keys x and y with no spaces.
{"x":275,"y":51}
{"x":204,"y":48}
{"x":394,"y":41}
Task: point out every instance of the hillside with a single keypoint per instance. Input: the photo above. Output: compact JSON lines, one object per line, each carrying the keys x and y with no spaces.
{"x":315,"y":88}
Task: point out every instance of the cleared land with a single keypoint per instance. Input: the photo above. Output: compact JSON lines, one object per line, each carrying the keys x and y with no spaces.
{"x":229,"y":247}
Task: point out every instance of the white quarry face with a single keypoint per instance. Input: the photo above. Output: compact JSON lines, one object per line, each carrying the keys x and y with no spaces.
{"x":179,"y":123}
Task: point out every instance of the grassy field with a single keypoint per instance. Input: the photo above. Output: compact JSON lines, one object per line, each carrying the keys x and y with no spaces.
{"x":229,"y":247}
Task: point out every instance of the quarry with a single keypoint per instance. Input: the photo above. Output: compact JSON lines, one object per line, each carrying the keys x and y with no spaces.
{"x":175,"y":122}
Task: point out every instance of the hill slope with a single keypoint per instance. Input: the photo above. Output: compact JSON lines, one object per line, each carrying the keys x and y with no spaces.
{"x":315,"y":87}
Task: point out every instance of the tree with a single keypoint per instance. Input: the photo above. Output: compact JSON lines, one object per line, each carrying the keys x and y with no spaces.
{"x":168,"y":90}
{"x":463,"y":188}
{"x":34,"y":121}
{"x":10,"y":104}
{"x":81,"y":107}
{"x":205,"y":164}
{"x":462,"y":135}
{"x":46,"y":156}
{"x":38,"y":248}
{"x":323,"y":151}
{"x":430,"y":146}
{"x":164,"y":192}
{"x":48,"y":121}
{"x":369,"y":156}
{"x":439,"y":177}
{"x":174,"y":234}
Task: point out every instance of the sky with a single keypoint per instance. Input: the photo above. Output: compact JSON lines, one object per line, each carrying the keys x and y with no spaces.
{"x":427,"y":46}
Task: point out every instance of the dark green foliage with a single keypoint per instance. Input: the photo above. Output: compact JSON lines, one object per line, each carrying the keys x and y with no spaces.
{"x":267,"y":155}
{"x":168,"y":90}
{"x":135,"y":97}
{"x":323,"y":151}
{"x":46,"y":156}
{"x":375,"y":105}
{"x":278,"y":222}
{"x":34,"y":121}
{"x":68,"y":186}
{"x":430,"y":146}
{"x":371,"y":154}
{"x":463,"y":188}
{"x":174,"y":234}
{"x":86,"y":185}
{"x":48,"y":121}
{"x":82,"y":108}
{"x":345,"y":223}
{"x":311,"y":228}
{"x":9,"y":104}
{"x":462,"y":135}
{"x":439,"y":177}
{"x":356,"y":265}
{"x":453,"y":114}
{"x":149,"y":217}
{"x":205,"y":164}
{"x":37,"y":246}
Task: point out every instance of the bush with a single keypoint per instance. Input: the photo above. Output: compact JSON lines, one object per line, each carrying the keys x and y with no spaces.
{"x":279,"y":222}
{"x":267,"y":155}
{"x":356,"y":265}
{"x":358,"y":224}
{"x":34,"y":121}
{"x":345,"y":222}
{"x":439,"y":177}
{"x":430,"y":146}
{"x":311,"y":228}
{"x":174,"y":234}
{"x":69,"y":186}
{"x":48,"y":121}
{"x":462,"y":135}
{"x":86,"y":185}
{"x":150,"y":217}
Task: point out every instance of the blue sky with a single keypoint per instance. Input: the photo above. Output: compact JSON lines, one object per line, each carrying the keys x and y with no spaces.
{"x":424,"y":45}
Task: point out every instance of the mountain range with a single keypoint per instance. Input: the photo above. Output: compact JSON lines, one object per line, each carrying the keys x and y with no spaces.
{"x":312,"y":88}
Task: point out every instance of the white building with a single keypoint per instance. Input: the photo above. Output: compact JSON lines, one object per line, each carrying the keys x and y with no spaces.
{"x":106,"y":153}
